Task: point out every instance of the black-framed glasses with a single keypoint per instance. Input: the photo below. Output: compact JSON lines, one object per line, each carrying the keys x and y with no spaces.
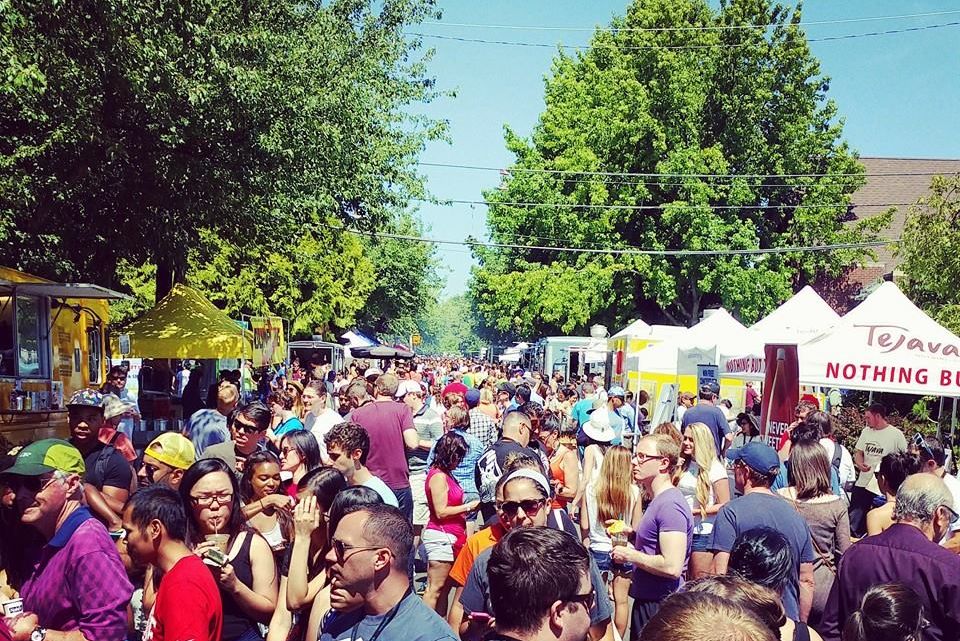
{"x":341,"y":548}
{"x":587,"y":600}
{"x":207,"y":500}
{"x":954,"y":517}
{"x":530,"y":507}
{"x":247,"y":428}
{"x":32,"y":484}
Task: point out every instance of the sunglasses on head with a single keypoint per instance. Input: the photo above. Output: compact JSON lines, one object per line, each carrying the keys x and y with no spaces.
{"x":530,"y":507}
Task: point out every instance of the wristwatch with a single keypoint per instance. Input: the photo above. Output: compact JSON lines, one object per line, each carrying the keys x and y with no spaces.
{"x":38,"y":634}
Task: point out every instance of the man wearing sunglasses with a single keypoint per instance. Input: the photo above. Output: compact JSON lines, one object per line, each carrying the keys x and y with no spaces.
{"x":540,"y":587}
{"x":368,"y":556}
{"x":933,"y":460}
{"x":165,"y":460}
{"x":248,"y":431}
{"x":907,"y":552}
{"x":78,"y":584}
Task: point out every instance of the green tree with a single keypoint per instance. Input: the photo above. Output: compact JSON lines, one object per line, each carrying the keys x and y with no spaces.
{"x":699,"y":105}
{"x":449,"y":328}
{"x":929,"y":249}
{"x":138,"y":131}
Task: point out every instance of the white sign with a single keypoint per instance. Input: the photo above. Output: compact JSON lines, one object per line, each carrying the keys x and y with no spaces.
{"x":124,"y":340}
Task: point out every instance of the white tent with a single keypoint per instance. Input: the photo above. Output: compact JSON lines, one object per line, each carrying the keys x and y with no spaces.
{"x":636,"y":328}
{"x":885,"y":344}
{"x":801,"y":318}
{"x":680,"y":355}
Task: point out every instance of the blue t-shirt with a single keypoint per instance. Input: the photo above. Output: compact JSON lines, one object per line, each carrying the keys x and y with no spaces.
{"x":289,"y":425}
{"x":411,"y":621}
{"x":465,"y":472}
{"x":629,"y":416}
{"x":711,"y":416}
{"x":580,"y":411}
{"x":205,"y":428}
{"x":759,"y":509}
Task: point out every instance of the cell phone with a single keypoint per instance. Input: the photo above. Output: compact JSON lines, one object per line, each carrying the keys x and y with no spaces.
{"x":479,"y":616}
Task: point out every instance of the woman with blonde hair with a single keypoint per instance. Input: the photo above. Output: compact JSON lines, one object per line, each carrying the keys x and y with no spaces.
{"x":703,"y":482}
{"x":609,"y":498}
{"x":487,"y":404}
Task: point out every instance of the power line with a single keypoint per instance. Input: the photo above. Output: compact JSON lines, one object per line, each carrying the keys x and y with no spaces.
{"x":631,"y":251}
{"x":514,"y":170}
{"x":660,"y":206}
{"x":691,"y":28}
{"x":515,"y":43}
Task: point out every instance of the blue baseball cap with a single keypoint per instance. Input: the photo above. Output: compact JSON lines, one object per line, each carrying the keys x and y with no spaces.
{"x":759,"y":457}
{"x":616,"y":390}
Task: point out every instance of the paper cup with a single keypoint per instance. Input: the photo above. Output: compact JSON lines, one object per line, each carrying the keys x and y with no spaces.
{"x":12,"y":608}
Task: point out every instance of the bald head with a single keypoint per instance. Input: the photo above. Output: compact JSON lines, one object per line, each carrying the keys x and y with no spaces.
{"x":924,"y":500}
{"x":517,"y":426}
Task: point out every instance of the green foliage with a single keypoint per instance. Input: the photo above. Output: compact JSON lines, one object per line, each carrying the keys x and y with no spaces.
{"x":928,"y":248}
{"x":140,"y":281}
{"x":448,"y":327}
{"x":152,"y":132}
{"x":742,"y":101}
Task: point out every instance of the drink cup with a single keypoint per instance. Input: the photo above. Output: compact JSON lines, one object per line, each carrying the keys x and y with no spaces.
{"x":618,"y":540}
{"x":12,"y":608}
{"x":220,"y":539}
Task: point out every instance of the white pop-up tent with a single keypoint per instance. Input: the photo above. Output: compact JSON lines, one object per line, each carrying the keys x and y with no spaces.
{"x":803,"y":317}
{"x":885,"y":344}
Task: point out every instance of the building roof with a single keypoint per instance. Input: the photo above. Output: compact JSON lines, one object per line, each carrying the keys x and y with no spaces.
{"x":896,"y":180}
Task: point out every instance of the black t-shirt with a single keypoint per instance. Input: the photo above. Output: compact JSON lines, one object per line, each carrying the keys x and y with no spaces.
{"x":490,"y":467}
{"x":106,"y":467}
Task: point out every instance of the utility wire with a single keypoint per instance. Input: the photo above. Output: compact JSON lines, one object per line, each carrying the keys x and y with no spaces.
{"x":515,"y":170}
{"x":606,"y":45}
{"x":631,"y":251}
{"x":657,"y":207}
{"x":690,"y":28}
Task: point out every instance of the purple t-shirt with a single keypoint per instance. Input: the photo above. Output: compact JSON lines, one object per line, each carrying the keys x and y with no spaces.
{"x":385,"y":422}
{"x":667,"y":512}
{"x":79,"y":582}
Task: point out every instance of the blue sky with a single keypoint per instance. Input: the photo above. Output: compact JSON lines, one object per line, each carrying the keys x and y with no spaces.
{"x":899,"y":94}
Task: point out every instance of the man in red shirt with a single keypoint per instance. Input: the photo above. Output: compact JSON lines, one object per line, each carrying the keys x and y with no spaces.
{"x":187,"y":606}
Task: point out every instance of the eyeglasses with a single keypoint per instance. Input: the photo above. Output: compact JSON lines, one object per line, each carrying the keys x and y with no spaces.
{"x":32,"y":484}
{"x":530,"y":507}
{"x":246,"y":428}
{"x":587,"y":599}
{"x":207,"y":500}
{"x":640,"y":459}
{"x":954,"y":517}
{"x":340,"y":549}
{"x":286,"y":450}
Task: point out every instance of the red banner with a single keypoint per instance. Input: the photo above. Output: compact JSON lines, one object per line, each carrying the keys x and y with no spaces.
{"x":781,"y":391}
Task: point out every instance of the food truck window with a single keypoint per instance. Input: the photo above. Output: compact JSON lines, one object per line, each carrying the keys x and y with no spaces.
{"x":7,"y":364}
{"x":94,"y":350}
{"x":29,"y":347}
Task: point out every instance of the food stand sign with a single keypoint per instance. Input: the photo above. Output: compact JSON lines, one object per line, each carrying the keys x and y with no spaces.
{"x":268,"y":343}
{"x":124,"y":341}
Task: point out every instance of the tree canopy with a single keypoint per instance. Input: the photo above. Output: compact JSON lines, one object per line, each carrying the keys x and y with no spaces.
{"x":696,"y":136}
{"x":215,"y":140}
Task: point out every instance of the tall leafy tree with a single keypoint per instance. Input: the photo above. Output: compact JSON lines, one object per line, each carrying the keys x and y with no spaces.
{"x":699,"y":107}
{"x":131,"y":130}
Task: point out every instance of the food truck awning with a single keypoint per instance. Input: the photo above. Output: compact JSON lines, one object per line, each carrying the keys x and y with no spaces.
{"x":185,"y":325}
{"x":62,"y":290}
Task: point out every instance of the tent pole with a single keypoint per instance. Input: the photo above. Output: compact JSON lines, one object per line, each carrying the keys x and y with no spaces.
{"x":870,"y":398}
{"x":953,"y":422}
{"x":940,"y":418}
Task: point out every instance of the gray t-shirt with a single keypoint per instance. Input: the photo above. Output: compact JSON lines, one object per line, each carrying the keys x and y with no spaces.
{"x":875,"y":444}
{"x":476,"y":593}
{"x":411,"y":621}
{"x":429,"y":427}
{"x":376,"y":484}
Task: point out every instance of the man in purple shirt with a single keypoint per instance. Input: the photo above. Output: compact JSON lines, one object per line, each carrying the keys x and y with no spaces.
{"x":908,"y":553}
{"x":78,"y":588}
{"x":390,"y":427}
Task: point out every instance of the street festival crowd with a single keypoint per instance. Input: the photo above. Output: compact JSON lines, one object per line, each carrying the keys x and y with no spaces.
{"x":537,"y":508}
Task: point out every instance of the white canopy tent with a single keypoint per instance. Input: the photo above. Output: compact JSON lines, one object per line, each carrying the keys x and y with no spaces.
{"x":885,"y":344}
{"x":636,"y":328}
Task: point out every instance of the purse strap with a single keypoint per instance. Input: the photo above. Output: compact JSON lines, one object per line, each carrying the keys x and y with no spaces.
{"x":827,"y":561}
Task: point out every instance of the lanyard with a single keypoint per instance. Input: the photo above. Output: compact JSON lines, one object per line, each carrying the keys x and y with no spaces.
{"x":387,"y":619}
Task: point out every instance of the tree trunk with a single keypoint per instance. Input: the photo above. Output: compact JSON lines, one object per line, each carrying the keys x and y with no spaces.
{"x":170,"y":269}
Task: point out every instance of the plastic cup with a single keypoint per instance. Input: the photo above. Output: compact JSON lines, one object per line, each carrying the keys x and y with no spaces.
{"x":220,"y":539}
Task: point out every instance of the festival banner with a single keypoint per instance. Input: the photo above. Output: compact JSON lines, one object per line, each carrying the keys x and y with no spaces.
{"x":268,"y":340}
{"x":781,"y":391}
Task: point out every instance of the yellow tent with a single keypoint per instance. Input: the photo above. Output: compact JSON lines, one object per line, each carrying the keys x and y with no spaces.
{"x":185,"y":325}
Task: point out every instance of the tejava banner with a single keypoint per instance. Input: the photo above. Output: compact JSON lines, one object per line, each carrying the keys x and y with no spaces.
{"x":781,"y":391}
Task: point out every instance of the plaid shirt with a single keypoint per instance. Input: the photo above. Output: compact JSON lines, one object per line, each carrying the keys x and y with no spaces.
{"x":484,"y":428}
{"x":79,"y":582}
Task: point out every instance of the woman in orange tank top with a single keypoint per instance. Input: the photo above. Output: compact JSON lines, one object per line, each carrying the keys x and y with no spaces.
{"x":564,"y":464}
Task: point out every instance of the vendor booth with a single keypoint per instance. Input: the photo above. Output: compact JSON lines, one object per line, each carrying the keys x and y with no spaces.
{"x":51,"y":345}
{"x":628,"y":342}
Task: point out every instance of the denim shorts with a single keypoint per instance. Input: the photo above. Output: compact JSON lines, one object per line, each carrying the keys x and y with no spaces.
{"x":701,"y":543}
{"x":606,"y":564}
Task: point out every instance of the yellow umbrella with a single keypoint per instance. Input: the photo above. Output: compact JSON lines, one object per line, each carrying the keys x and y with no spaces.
{"x":185,"y":325}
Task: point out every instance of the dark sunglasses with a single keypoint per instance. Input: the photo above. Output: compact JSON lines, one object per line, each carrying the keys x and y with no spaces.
{"x":248,"y":429}
{"x":340,"y":549}
{"x":33,"y":484}
{"x":530,"y":507}
{"x":587,"y":599}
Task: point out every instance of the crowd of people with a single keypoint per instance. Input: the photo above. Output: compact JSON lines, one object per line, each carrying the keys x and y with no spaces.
{"x":450,"y":499}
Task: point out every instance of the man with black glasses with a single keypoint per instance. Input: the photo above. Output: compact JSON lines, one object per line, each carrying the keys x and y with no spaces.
{"x":540,"y":588}
{"x":78,"y":588}
{"x":248,"y":428}
{"x":368,"y":556}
